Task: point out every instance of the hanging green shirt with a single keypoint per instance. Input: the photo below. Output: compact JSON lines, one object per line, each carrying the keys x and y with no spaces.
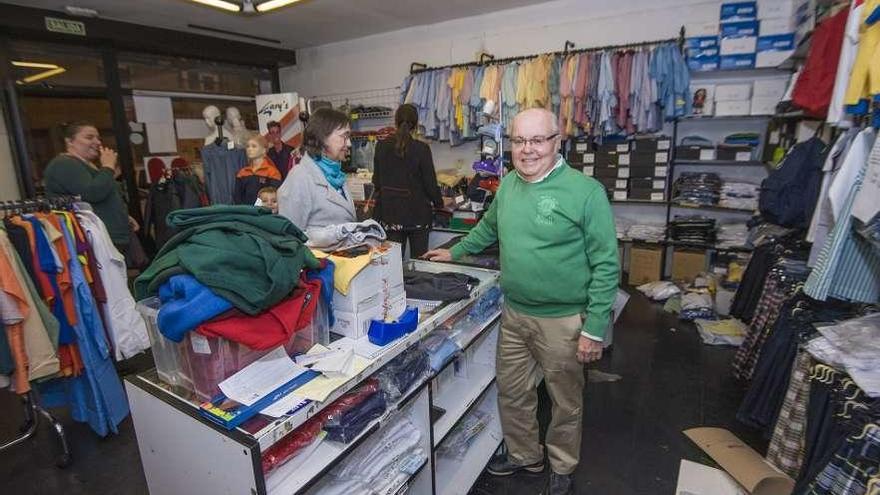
{"x":558,"y":246}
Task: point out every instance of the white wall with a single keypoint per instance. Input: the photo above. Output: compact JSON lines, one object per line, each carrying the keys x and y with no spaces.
{"x":383,"y":60}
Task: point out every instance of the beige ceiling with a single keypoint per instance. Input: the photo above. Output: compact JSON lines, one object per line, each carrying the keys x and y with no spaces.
{"x":307,"y":23}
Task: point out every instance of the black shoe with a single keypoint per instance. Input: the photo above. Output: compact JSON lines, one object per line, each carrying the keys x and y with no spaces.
{"x":501,"y":465}
{"x":560,"y":484}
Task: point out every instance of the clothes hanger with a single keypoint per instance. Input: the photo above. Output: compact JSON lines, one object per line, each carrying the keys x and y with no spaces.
{"x":869,"y":428}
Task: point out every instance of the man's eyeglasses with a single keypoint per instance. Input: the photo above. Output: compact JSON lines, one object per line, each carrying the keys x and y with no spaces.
{"x":536,"y":141}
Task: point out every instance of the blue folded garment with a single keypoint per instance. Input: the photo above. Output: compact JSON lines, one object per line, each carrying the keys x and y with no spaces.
{"x":325,"y":275}
{"x":186,"y":304}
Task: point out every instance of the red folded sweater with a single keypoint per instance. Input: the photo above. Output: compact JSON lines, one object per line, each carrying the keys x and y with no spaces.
{"x":272,"y":327}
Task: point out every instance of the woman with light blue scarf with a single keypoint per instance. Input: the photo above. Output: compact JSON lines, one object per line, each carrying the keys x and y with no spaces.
{"x":314,"y":195}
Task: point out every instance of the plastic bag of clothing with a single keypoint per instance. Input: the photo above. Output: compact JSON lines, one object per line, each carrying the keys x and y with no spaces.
{"x":440,"y":348}
{"x":291,"y":445}
{"x":696,"y":305}
{"x":464,"y":435}
{"x":659,"y":291}
{"x":346,"y":426}
{"x":402,"y":372}
{"x":350,"y":400}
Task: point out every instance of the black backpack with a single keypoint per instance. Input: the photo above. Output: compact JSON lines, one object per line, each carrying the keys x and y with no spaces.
{"x":789,"y":194}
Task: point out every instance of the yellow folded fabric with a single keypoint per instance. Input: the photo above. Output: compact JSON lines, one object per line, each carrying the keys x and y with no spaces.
{"x":346,"y":268}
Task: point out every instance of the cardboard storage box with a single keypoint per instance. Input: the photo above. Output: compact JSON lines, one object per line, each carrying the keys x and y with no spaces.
{"x":769,"y":88}
{"x":738,"y":29}
{"x":641,"y":145}
{"x":732,"y":108}
{"x":735,"y":153}
{"x":737,"y":62}
{"x":737,"y":11}
{"x":620,"y":195}
{"x":614,"y":147}
{"x":648,"y":194}
{"x":647,"y":183}
{"x":355,"y":325}
{"x":706,"y":64}
{"x":772,"y":58}
{"x":645,"y":264}
{"x":777,"y":25}
{"x":695,"y":153}
{"x":763,"y":106}
{"x":607,"y":172}
{"x":738,"y":45}
{"x":733,"y":92}
{"x":687,"y":264}
{"x":385,"y":270}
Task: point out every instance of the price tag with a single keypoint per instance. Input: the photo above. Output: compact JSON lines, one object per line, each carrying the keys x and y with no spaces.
{"x":660,"y":171}
{"x":200,"y":343}
{"x":620,"y":184}
{"x":661,"y":157}
{"x":230,"y":145}
{"x":659,"y":184}
{"x":588,"y":171}
{"x":589,"y":158}
{"x":657,"y":196}
{"x":743,"y":156}
{"x":622,"y":148}
{"x":623,"y":173}
{"x":623,"y":159}
{"x":619,"y":195}
{"x":664,"y":144}
{"x":708,"y":154}
{"x":459,"y":199}
{"x":581,"y":147}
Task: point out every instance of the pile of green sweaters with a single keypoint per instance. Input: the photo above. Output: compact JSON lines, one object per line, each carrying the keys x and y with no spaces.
{"x":245,"y":254}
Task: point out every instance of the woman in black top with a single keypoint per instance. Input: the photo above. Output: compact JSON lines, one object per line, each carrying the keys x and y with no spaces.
{"x":405,"y":184}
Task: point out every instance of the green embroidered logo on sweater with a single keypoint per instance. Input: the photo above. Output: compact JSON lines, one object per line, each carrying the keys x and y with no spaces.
{"x":546,"y":206}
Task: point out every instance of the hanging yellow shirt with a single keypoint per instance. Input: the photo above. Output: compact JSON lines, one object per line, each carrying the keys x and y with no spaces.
{"x":865,"y":79}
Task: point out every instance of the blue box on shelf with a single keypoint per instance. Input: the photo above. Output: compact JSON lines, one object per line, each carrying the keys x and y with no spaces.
{"x":739,"y":11}
{"x":704,"y":64}
{"x":700,"y":42}
{"x":703,"y":52}
{"x":733,"y":62}
{"x":776,"y":42}
{"x":739,"y":28}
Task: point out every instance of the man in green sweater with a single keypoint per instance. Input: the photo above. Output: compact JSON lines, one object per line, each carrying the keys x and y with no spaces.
{"x":559,"y":272}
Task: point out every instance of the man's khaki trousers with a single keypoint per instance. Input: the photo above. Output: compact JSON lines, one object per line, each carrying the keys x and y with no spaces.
{"x":524,"y":344}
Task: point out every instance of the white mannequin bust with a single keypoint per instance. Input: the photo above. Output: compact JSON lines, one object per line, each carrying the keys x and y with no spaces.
{"x":210,"y":114}
{"x":238,"y":133}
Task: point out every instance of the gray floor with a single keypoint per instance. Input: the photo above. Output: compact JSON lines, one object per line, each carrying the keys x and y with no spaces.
{"x":632,"y":440}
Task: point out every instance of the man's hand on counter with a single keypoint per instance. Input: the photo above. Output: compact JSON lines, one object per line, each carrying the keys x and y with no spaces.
{"x":438,"y":255}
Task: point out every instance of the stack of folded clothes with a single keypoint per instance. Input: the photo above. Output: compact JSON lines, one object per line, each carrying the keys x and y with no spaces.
{"x":697,"y":188}
{"x":234,"y":283}
{"x":739,"y":195}
{"x":733,"y":235}
{"x":647,"y":232}
{"x":693,"y":229}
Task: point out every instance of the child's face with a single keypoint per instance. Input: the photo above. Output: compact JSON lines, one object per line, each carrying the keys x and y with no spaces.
{"x":270,"y":201}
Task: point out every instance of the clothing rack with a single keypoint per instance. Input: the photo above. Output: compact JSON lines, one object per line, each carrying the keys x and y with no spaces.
{"x":417,"y":67}
{"x":33,"y":410}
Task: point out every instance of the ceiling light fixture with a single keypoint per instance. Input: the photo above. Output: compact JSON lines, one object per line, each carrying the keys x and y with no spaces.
{"x":220,"y":4}
{"x":274,"y":4}
{"x":81,"y":11}
{"x":43,"y":75}
{"x":33,"y":65}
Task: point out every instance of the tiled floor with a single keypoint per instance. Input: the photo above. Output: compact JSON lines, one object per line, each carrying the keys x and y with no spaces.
{"x":632,"y":441}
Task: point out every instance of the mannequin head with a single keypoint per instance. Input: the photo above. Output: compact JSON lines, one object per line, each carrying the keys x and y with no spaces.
{"x":209,"y":114}
{"x":82,"y":139}
{"x":327,"y":134}
{"x":233,"y":116}
{"x":256,"y":147}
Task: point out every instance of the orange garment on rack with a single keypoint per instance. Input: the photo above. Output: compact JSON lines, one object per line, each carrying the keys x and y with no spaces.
{"x":52,"y":226}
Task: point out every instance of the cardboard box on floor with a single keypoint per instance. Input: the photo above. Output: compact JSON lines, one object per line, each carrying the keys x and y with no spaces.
{"x":747,"y":467}
{"x":687,"y":264}
{"x":645,"y":264}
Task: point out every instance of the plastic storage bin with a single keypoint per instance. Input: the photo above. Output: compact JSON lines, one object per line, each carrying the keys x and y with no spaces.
{"x":210,"y":360}
{"x":166,"y":353}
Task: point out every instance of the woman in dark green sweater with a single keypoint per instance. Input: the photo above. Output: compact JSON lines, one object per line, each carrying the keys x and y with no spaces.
{"x":75,"y":172}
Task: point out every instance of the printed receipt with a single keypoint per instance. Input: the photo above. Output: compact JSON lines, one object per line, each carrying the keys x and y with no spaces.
{"x":261,"y":377}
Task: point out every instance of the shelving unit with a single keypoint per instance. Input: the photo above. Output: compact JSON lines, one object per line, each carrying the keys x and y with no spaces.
{"x":173,"y":436}
{"x":720,"y":163}
{"x":711,"y":208}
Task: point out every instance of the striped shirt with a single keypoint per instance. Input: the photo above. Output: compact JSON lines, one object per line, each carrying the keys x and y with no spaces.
{"x":848,"y":267}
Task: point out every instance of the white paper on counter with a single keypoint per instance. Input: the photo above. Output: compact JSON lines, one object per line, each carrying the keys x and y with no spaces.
{"x":284,"y":405}
{"x":261,"y":377}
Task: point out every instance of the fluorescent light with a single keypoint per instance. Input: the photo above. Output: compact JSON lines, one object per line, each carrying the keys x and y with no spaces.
{"x":220,"y":4}
{"x":274,"y":4}
{"x":44,"y":75}
{"x":33,"y":65}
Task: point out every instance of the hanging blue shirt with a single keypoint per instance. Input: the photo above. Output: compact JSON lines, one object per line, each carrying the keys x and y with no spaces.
{"x":95,"y":397}
{"x":46,"y":257}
